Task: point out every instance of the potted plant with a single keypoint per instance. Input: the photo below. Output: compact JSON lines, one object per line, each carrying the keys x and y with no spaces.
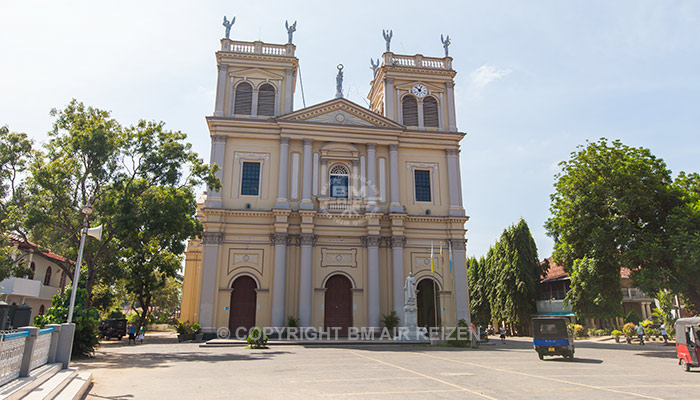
{"x":616,"y":334}
{"x":184,"y":331}
{"x":257,"y":339}
{"x":197,"y":332}
{"x":628,"y":330}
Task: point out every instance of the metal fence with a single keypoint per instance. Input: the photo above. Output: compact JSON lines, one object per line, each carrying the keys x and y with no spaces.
{"x":42,"y":345}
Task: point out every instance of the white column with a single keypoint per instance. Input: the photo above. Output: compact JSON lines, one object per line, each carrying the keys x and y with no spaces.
{"x":355,"y":180}
{"x":373,"y":302}
{"x":307,"y":241}
{"x":306,"y":203}
{"x":363,"y":177}
{"x":397,"y":278}
{"x":282,"y":201}
{"x":324,"y":177}
{"x":294,"y":192}
{"x":451,"y":117}
{"x":280,"y":241}
{"x":254,"y":105}
{"x":314,"y":176}
{"x":389,"y":99}
{"x":454,"y":183}
{"x":395,"y":205}
{"x":382,"y":179}
{"x":220,"y":90}
{"x":288,"y":91}
{"x":211,"y":242}
{"x":217,"y":156}
{"x":371,"y":177}
{"x":421,"y":120}
{"x":461,"y":288}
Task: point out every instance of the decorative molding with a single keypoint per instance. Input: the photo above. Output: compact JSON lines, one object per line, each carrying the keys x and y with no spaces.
{"x":307,"y":239}
{"x":251,"y":156}
{"x":393,"y":148}
{"x":458,"y":244}
{"x":284,"y":140}
{"x":397,"y":242}
{"x":307,"y":142}
{"x":347,"y":110}
{"x":279,"y":238}
{"x":371,"y":146}
{"x":452,"y":152}
{"x":218,"y":138}
{"x":371,"y":240}
{"x":338,"y":257}
{"x":212,"y":238}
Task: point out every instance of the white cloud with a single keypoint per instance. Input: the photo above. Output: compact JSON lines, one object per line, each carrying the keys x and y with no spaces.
{"x":486,"y":74}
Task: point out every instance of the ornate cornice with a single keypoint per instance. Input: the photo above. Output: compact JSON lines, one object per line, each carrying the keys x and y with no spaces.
{"x":279,"y":239}
{"x":371,"y":240}
{"x":458,"y":244}
{"x":212,"y":238}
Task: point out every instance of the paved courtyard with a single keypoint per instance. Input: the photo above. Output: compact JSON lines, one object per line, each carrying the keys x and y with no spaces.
{"x":163,"y":368}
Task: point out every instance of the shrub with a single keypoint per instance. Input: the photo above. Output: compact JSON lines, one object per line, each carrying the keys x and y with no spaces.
{"x":257,"y":339}
{"x":196,"y":328}
{"x":646,"y":323}
{"x":86,"y":320}
{"x":579,"y":330}
{"x":390,"y":321}
{"x":184,"y":328}
{"x":116,"y":313}
{"x":616,"y":333}
{"x":598,"y":332}
{"x":292,"y":322}
{"x":456,"y":341}
{"x":628,"y":329}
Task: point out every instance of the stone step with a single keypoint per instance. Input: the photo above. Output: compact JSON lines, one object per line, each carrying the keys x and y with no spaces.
{"x":49,"y":389}
{"x":78,"y":387}
{"x":20,"y":387}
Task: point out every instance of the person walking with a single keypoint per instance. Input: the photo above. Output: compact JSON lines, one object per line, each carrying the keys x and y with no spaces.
{"x":132,"y":334}
{"x":664,"y":334}
{"x":142,"y":334}
{"x":502,"y":330}
{"x":640,"y":334}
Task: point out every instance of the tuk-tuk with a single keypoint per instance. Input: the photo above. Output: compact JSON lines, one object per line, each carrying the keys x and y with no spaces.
{"x":688,"y":342}
{"x":551,"y":336}
{"x":113,"y":327}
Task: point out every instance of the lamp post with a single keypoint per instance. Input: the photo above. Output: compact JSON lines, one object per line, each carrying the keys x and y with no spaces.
{"x":87,"y":210}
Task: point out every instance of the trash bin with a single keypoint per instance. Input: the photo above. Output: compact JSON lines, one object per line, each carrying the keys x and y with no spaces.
{"x":4,"y":316}
{"x":22,"y":316}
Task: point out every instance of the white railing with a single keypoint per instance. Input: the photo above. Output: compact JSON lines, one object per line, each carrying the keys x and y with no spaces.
{"x":11,"y":352}
{"x":634,"y":294}
{"x":285,"y":50}
{"x":417,"y":61}
{"x":42,"y":345}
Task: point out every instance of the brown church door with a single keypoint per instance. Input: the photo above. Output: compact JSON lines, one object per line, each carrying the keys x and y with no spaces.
{"x":338,"y":305}
{"x":242,"y":307}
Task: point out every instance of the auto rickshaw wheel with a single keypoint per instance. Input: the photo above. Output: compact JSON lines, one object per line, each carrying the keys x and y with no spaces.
{"x":541,"y":356}
{"x":684,"y":365}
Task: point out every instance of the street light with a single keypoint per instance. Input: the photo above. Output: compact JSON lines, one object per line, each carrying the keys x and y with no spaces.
{"x":87,"y":210}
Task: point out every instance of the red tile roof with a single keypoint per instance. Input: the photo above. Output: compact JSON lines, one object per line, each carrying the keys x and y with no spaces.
{"x":556,"y":272}
{"x":27,"y":245}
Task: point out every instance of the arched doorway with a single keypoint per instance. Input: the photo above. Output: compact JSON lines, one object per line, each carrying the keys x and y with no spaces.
{"x":338,"y":304}
{"x":243,"y":302}
{"x":428,"y":303}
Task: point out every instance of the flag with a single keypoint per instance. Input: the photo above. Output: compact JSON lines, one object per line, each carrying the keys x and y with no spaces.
{"x":432,"y":260}
{"x":449,"y":248}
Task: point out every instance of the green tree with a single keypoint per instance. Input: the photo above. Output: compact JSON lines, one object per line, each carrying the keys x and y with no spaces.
{"x":478,"y":290}
{"x":594,"y":291}
{"x":618,"y":205}
{"x":515,"y":274}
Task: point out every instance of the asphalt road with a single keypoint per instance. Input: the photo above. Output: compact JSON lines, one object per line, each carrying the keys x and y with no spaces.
{"x":161,"y":368}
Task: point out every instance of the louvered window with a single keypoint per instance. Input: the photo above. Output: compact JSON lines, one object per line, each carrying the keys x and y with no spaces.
{"x":250,"y":179}
{"x":410,"y":111}
{"x":430,"y":113}
{"x":244,"y":99}
{"x":266,"y":101}
{"x":422,"y":183}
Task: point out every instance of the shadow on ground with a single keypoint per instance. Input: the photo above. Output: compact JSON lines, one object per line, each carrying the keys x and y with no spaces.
{"x":162,"y":360}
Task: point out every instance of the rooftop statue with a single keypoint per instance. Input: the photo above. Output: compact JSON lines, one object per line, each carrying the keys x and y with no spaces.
{"x":446,"y":44}
{"x":339,"y":82}
{"x":290,"y":30}
{"x":374,"y":66}
{"x":387,"y":36}
{"x":228,"y":24}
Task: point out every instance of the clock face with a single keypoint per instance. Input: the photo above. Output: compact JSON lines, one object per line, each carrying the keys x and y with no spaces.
{"x":419,"y":90}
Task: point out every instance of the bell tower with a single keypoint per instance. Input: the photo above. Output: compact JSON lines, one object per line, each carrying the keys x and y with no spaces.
{"x":415,"y":91}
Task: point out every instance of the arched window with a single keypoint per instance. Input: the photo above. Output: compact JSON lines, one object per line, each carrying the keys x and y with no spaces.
{"x":244,"y":99}
{"x":47,"y":277}
{"x":410,"y":111}
{"x":266,"y":100}
{"x":41,"y":310}
{"x":339,"y":182}
{"x":430,"y":113}
{"x":33,"y":268}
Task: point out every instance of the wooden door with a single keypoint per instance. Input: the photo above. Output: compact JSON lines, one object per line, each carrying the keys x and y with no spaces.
{"x":338,"y":304}
{"x":427,"y":303}
{"x":243,"y":303}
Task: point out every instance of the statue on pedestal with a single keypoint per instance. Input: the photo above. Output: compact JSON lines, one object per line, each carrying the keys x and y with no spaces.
{"x":290,"y":30}
{"x":228,"y":24}
{"x":387,"y":37}
{"x":409,"y":290}
{"x":446,"y":44}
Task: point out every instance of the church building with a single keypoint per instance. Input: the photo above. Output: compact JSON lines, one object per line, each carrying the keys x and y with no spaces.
{"x":323,"y":211}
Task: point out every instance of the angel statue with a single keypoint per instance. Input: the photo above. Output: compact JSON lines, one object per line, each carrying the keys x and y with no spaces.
{"x":290,"y":30}
{"x":339,"y":82}
{"x":446,"y":44}
{"x":374,"y":66}
{"x":228,"y":24}
{"x":387,"y":36}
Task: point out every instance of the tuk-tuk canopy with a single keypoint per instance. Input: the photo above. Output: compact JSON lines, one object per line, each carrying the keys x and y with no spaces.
{"x":681,"y":324}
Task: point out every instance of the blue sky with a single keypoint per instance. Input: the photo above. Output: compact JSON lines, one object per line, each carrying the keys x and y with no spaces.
{"x":535,"y":79}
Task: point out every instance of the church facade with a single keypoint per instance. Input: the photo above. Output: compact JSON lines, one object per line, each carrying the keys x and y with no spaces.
{"x":324,"y":211}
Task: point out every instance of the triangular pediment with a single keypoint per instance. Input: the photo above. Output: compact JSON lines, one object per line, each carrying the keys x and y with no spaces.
{"x":340,"y":111}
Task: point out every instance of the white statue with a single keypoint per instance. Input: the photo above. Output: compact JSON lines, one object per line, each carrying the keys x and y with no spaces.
{"x":409,"y":290}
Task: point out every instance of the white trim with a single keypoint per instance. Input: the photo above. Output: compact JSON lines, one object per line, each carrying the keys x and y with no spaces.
{"x":295,"y":177}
